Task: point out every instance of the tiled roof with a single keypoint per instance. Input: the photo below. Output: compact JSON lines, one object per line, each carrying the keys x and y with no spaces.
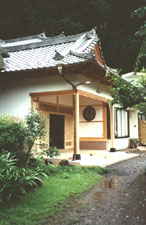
{"x":39,"y":51}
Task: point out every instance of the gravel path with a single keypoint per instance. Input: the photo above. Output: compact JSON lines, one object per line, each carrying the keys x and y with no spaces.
{"x":122,"y":204}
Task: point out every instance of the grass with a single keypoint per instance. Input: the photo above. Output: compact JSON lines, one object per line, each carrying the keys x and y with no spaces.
{"x":37,"y":205}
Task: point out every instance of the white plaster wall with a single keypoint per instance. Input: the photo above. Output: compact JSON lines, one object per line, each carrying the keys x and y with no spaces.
{"x":121,"y":143}
{"x":133,"y":122}
{"x":91,"y":129}
{"x":94,"y":88}
{"x":14,"y":95}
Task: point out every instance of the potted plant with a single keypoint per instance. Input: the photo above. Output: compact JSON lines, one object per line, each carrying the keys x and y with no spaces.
{"x":133,"y":142}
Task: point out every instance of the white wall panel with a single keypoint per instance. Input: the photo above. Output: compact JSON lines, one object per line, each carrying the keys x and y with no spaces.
{"x":91,"y":129}
{"x":14,"y":96}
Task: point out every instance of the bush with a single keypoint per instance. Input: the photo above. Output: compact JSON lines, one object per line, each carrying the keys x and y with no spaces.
{"x":35,"y":124}
{"x":48,"y":169}
{"x":133,"y":142}
{"x":16,"y":181}
{"x":18,"y":136}
{"x":13,"y":134}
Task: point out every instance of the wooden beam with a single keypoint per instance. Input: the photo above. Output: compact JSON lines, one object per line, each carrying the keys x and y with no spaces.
{"x":92,"y":139}
{"x":76,"y":125}
{"x":98,"y":54}
{"x":105,"y":121}
{"x":93,"y":96}
{"x":112,"y":125}
{"x":52,"y":93}
{"x":32,"y":104}
{"x":53,"y":104}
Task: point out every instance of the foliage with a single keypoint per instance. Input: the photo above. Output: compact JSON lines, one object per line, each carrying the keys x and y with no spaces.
{"x":129,"y":94}
{"x":13,"y":133}
{"x":50,"y":169}
{"x":133,"y":142}
{"x":112,"y":18}
{"x":18,"y":136}
{"x":39,"y":164}
{"x":51,"y":152}
{"x":15,"y":181}
{"x":36,"y":206}
{"x":141,"y":34}
{"x":35,"y":124}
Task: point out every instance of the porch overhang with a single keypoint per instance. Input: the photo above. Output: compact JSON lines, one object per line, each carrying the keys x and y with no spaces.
{"x":95,"y":100}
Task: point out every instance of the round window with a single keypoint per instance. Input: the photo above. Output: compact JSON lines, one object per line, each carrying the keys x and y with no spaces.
{"x":89,"y":113}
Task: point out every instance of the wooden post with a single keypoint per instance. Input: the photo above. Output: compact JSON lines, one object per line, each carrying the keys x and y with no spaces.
{"x":112,"y":149}
{"x":32,"y":104}
{"x":76,"y":155}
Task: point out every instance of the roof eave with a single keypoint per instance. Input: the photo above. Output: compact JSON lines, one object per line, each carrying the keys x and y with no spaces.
{"x":89,"y":68}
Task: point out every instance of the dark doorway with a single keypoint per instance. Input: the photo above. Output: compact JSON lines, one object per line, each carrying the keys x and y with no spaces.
{"x":57,"y":130}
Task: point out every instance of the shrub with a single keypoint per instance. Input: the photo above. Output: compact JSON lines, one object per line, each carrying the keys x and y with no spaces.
{"x":16,"y":181}
{"x":48,"y":169}
{"x":35,"y":124}
{"x":133,"y":142}
{"x":13,"y":133}
{"x":18,"y":136}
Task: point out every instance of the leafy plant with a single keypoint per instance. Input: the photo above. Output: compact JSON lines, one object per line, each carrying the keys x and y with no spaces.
{"x":128,"y":93}
{"x":16,"y":181}
{"x":19,"y":136}
{"x":133,"y":142}
{"x":141,"y":34}
{"x":50,"y":152}
{"x":37,"y":205}
{"x":35,"y":124}
{"x":48,"y":169}
{"x":13,"y":133}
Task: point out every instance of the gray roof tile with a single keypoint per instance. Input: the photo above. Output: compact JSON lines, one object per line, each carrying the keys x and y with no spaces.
{"x":38,"y":51}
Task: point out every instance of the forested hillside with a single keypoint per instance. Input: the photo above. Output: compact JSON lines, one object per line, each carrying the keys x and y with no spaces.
{"x":115,"y":20}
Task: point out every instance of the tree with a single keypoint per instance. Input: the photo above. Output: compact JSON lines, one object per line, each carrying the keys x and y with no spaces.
{"x":141,"y":34}
{"x":115,"y":26}
{"x":129,"y":93}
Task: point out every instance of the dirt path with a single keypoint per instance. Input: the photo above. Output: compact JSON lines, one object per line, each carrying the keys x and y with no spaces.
{"x":124,"y":204}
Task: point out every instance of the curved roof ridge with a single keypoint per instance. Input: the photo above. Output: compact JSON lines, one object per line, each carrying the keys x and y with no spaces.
{"x":88,"y":55}
{"x":79,"y":46}
{"x":74,"y":46}
{"x":90,"y":36}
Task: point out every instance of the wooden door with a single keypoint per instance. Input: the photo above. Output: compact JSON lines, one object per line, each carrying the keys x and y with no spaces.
{"x":57,"y":131}
{"x":142,"y":132}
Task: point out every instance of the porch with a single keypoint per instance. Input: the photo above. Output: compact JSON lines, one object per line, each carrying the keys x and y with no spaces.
{"x":101,"y":158}
{"x":75,"y":120}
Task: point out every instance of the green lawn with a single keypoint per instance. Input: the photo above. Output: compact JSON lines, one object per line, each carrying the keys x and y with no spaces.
{"x":44,"y":201}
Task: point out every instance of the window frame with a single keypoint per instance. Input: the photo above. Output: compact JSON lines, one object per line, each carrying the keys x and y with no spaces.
{"x":116,"y":110}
